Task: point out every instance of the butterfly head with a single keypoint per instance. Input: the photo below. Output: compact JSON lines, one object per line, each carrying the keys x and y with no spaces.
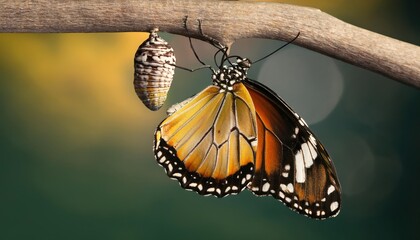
{"x":243,"y":63}
{"x":228,"y":75}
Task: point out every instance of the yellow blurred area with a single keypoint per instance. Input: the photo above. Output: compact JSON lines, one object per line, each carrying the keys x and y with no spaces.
{"x":77,"y":87}
{"x":68,"y":101}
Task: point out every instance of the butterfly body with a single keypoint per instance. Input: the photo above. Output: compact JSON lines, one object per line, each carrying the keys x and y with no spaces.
{"x":238,"y":133}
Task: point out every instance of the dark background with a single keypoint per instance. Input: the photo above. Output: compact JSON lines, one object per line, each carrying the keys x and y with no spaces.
{"x":76,"y":142}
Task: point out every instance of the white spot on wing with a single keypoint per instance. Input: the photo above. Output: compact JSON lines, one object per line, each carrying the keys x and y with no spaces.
{"x":307,"y":155}
{"x":313,"y":151}
{"x":243,"y":181}
{"x":331,"y":189}
{"x":177,"y":174}
{"x":333,"y":206}
{"x":281,"y":195}
{"x":301,"y":122}
{"x":300,"y":167}
{"x":312,"y":139}
{"x":265,"y":187}
{"x":290,"y":188}
{"x":163,"y":159}
{"x":283,"y":187}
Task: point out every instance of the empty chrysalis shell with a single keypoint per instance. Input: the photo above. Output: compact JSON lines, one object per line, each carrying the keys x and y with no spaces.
{"x":154,"y":68}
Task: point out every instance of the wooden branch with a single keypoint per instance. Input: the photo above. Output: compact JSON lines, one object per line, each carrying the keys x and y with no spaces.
{"x":225,"y":21}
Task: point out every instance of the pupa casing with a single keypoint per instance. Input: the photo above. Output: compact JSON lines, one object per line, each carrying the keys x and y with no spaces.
{"x":154,"y":68}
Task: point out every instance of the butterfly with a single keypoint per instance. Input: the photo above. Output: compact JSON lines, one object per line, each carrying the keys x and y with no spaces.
{"x":154,"y":67}
{"x":237,"y":134}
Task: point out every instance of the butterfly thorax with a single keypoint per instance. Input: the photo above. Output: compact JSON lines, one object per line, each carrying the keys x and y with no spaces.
{"x":228,"y":75}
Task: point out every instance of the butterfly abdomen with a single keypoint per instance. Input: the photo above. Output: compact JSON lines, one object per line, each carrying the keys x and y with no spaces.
{"x":154,"y":67}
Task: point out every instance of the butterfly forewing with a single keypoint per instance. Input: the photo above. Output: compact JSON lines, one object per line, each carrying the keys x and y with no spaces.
{"x":209,"y":144}
{"x":291,"y":164}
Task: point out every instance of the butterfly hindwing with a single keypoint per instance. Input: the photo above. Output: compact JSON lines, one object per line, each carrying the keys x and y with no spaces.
{"x":291,"y":164}
{"x":209,"y":144}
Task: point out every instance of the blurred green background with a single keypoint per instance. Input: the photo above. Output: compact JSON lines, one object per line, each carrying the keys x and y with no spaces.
{"x":76,"y":142}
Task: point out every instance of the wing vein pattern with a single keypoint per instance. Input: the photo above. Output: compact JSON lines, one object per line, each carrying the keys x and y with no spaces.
{"x":209,"y":145}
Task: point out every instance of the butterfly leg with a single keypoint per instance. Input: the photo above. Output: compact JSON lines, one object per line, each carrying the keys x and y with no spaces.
{"x":191,"y":44}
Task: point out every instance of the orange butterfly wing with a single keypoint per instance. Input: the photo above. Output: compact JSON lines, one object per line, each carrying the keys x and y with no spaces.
{"x":291,"y":164}
{"x":209,"y":144}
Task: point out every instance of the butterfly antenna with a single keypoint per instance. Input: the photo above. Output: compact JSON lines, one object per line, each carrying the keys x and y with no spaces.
{"x":195,"y":53}
{"x":189,"y":38}
{"x":278,"y":49}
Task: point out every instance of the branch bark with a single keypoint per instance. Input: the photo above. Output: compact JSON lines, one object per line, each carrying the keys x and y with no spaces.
{"x":225,"y":21}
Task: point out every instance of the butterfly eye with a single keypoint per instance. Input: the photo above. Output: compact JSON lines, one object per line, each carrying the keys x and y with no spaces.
{"x":244,"y":63}
{"x":154,"y":67}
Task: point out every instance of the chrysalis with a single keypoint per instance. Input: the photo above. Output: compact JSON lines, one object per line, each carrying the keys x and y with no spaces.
{"x":154,"y":67}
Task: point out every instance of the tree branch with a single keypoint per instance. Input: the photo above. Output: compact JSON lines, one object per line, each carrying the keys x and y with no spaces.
{"x":225,"y":21}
